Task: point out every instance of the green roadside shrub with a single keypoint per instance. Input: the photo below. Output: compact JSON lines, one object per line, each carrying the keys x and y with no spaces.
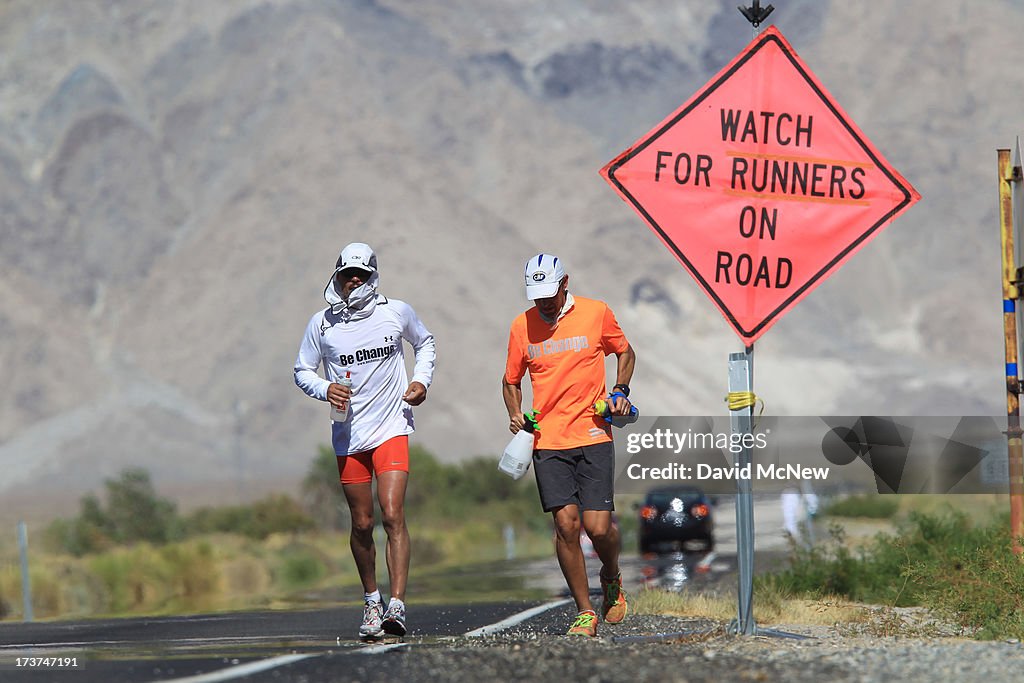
{"x":967,"y":574}
{"x":301,"y":569}
{"x":133,"y":513}
{"x":977,"y":581}
{"x":322,"y":496}
{"x":873,"y":507}
{"x":272,"y":515}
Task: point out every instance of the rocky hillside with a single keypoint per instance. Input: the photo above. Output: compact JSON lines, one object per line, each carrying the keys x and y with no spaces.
{"x":177,"y":179}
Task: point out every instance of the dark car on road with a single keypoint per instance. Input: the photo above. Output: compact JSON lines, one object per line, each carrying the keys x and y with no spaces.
{"x":671,"y":517}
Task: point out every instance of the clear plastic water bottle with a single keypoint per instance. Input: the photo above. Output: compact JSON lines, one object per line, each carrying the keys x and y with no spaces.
{"x":342,"y":415}
{"x":515,"y":460}
{"x":603,"y":409}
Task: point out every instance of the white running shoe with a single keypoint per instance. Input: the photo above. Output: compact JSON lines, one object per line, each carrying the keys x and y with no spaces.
{"x":394,"y":619}
{"x":373,"y":615}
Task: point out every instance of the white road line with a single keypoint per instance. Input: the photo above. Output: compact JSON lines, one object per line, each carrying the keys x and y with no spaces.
{"x":515,"y":619}
{"x":240,"y":670}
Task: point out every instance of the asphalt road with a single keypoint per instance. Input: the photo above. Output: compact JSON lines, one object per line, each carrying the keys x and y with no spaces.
{"x":171,"y":648}
{"x":319,"y":645}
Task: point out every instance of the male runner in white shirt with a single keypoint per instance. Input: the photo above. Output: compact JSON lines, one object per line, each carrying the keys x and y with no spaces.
{"x":360,"y":335}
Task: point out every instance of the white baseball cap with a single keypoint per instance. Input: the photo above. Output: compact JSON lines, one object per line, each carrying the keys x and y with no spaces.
{"x":544,"y":273}
{"x":357,"y":255}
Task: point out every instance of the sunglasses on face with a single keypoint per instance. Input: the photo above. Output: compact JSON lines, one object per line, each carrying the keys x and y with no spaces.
{"x":349,"y":273}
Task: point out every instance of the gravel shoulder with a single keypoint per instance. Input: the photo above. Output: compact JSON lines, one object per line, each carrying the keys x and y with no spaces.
{"x":661,"y":648}
{"x":901,"y":644}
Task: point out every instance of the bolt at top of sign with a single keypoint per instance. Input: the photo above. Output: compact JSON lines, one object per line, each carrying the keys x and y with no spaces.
{"x":755,"y":14}
{"x":760,"y":184}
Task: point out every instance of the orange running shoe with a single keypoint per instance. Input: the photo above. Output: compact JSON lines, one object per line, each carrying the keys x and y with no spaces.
{"x":585,"y":624}
{"x":614,"y":608}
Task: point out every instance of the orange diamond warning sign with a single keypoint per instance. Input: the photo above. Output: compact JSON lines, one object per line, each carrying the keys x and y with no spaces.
{"x":760,"y":184}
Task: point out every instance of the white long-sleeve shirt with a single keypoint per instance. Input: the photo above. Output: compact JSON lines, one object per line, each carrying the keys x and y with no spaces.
{"x":371,"y":350}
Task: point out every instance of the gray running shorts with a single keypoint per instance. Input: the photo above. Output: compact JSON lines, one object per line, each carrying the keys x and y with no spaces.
{"x":583,"y":476}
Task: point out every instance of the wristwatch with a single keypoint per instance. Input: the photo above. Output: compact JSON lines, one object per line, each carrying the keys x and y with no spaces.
{"x":624,"y":388}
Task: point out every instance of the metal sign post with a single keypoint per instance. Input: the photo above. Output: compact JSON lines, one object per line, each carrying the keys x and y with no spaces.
{"x":26,"y":585}
{"x":741,"y":380}
{"x":741,"y":387}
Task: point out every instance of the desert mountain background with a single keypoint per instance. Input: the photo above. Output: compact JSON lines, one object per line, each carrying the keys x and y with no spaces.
{"x":177,"y":178}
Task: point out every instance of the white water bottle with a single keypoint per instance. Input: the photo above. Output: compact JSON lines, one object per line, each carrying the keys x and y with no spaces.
{"x":519,"y":451}
{"x":342,"y":415}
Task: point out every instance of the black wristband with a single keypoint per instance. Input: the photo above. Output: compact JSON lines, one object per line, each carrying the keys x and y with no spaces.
{"x":624,"y":388}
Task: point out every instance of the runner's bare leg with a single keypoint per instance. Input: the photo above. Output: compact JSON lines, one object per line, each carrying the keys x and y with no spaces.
{"x":391,"y":495}
{"x":360,"y":505}
{"x":570,"y":554}
{"x":605,"y":536}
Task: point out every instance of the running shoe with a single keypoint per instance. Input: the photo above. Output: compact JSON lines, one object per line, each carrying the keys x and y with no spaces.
{"x":614,"y":607}
{"x":373,"y":615}
{"x":394,"y":619}
{"x":585,"y":624}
